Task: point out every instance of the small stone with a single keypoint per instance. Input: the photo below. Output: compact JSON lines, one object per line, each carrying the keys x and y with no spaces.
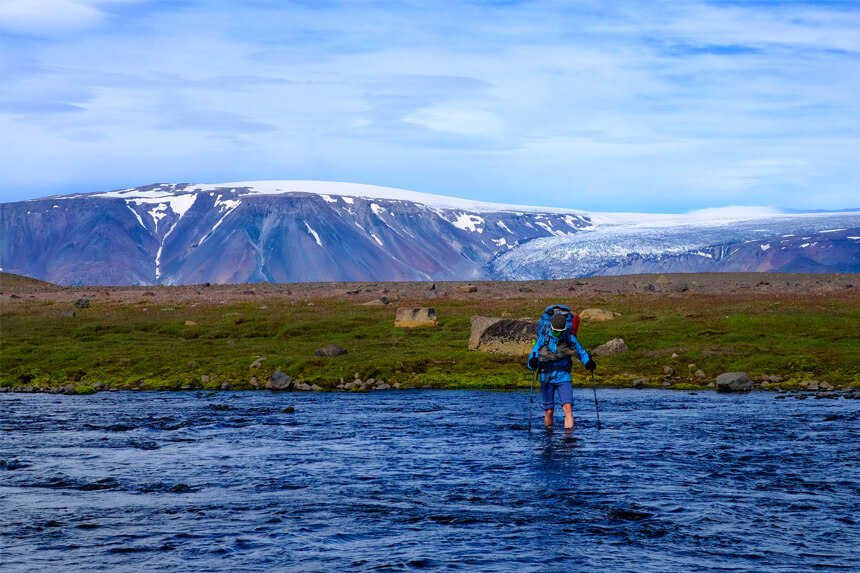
{"x":614,"y":346}
{"x":370,"y":381}
{"x":204,"y":378}
{"x":331,"y":351}
{"x":813,"y":385}
{"x":186,"y":386}
{"x":691,"y":366}
{"x":254,"y":382}
{"x":67,"y":313}
{"x":700,"y":375}
{"x":824,"y":395}
{"x":639,"y":383}
{"x":397,"y":385}
{"x":99,"y":386}
{"x":316,"y":387}
{"x":226,"y":386}
{"x":734,"y":382}
{"x":258,"y":363}
{"x":826,"y":386}
{"x":668,"y":371}
{"x":82,"y":303}
{"x":231,"y":342}
{"x":675,"y":356}
{"x":288,"y":410}
{"x":774,"y":379}
{"x":279,"y":381}
{"x":383,"y":386}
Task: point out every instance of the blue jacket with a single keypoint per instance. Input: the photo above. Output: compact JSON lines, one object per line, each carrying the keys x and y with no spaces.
{"x":558,"y":371}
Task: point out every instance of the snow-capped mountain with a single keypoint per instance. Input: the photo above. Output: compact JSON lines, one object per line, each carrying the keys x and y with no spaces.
{"x":294,"y":231}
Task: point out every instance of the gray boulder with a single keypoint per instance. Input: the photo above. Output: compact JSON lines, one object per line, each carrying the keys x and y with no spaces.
{"x":734,"y":382}
{"x":505,"y":336}
{"x":330,"y":350}
{"x":67,"y":313}
{"x":614,"y":346}
{"x":279,"y":381}
{"x":82,"y":303}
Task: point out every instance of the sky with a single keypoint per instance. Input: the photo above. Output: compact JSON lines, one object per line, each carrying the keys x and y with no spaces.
{"x":647,"y":106}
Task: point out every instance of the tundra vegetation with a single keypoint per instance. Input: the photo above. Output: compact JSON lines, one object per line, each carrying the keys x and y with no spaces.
{"x":144,"y":342}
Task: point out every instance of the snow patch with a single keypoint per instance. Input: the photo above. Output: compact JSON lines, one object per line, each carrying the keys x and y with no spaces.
{"x":804,"y":245}
{"x":375,"y":238}
{"x":139,"y":220}
{"x":702,"y":254}
{"x":502,"y":225}
{"x":764,"y":247}
{"x":469,"y":222}
{"x":853,"y":238}
{"x":834,"y":230}
{"x":328,"y":198}
{"x":314,"y":233}
{"x":348,"y":200}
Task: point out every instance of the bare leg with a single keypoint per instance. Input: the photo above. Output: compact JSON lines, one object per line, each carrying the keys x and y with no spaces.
{"x":547,"y":418}
{"x":568,"y":416}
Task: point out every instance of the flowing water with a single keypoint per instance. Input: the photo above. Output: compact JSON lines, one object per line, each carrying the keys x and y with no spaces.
{"x":436,"y":480}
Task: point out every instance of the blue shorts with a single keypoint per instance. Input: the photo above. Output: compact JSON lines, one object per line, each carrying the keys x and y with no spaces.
{"x":547,"y":391}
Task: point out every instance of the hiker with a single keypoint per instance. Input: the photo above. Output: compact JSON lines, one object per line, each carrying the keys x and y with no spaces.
{"x":551,"y":357}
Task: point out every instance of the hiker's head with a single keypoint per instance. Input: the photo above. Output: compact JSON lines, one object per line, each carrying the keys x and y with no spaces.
{"x":557,"y":324}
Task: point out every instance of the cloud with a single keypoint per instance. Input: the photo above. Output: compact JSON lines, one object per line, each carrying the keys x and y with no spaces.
{"x":623,"y":104}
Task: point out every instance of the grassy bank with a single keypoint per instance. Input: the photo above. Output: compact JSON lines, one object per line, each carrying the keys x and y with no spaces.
{"x":149,"y":344}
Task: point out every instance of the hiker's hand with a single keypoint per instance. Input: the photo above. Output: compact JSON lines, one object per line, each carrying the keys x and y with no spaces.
{"x":590,"y":365}
{"x":533,"y":362}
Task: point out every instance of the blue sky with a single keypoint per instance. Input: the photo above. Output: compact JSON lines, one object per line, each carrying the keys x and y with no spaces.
{"x":662,"y":106}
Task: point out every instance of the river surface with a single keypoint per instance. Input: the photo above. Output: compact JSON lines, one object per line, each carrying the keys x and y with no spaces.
{"x":433,"y":480}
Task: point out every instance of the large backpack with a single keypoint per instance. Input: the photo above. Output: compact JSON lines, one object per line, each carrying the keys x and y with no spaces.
{"x":571,"y":326}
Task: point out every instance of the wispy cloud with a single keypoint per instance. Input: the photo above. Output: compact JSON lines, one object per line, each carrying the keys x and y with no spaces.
{"x":599,"y":105}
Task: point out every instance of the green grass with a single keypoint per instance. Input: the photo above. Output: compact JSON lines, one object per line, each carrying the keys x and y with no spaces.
{"x":126,"y":345}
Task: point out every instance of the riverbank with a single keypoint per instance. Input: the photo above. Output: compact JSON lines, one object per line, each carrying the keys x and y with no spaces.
{"x":788,"y":332}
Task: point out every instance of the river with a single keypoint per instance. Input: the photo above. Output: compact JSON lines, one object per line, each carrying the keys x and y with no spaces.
{"x":423,"y":479}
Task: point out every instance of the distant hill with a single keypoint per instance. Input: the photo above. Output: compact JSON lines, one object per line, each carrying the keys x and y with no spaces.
{"x":300,"y":231}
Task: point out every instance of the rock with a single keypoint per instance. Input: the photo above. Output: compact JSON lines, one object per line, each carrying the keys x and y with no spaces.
{"x":254,"y":382}
{"x":185,"y":386}
{"x":691,"y":366}
{"x":827,"y":387}
{"x":614,"y":346}
{"x":668,"y":371}
{"x":330,"y":351}
{"x":699,"y":375}
{"x":67,"y":313}
{"x":258,"y":363}
{"x":468,"y":288}
{"x":711,"y":385}
{"x":651,"y":287}
{"x":397,"y":385}
{"x":302,"y":387}
{"x":774,"y":379}
{"x":279,"y":381}
{"x":226,"y":386}
{"x":415,"y":317}
{"x":733,"y":382}
{"x":674,"y":356}
{"x":288,"y":410}
{"x":382,"y":386}
{"x":204,"y":378}
{"x":505,"y":336}
{"x":190,"y":323}
{"x":813,"y":385}
{"x":377,"y":302}
{"x":231,"y":342}
{"x":82,"y":303}
{"x":316,"y":387}
{"x":597,"y":315}
{"x":99,"y":386}
{"x":639,"y":383}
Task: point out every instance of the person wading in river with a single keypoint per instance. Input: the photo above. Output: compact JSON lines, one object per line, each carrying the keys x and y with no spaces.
{"x":551,"y":357}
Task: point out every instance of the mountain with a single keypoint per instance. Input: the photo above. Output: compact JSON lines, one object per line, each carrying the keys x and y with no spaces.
{"x":298,"y":231}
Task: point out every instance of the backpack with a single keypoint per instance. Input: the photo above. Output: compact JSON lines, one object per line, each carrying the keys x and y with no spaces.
{"x":571,"y":326}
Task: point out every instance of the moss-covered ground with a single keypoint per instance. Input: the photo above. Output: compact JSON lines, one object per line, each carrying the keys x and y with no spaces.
{"x":148,"y":345}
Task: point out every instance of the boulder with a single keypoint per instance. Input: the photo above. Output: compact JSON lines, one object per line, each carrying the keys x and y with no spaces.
{"x":226,"y":386}
{"x":614,"y":346}
{"x":505,"y":336}
{"x":382,"y":386}
{"x":733,"y":382}
{"x":639,"y":383}
{"x":668,"y":371}
{"x":330,"y":351}
{"x":258,"y":363}
{"x":82,"y":303}
{"x":415,"y":317}
{"x":254,"y":382}
{"x":597,"y":315}
{"x":279,"y":381}
{"x":67,"y":313}
{"x":700,"y":375}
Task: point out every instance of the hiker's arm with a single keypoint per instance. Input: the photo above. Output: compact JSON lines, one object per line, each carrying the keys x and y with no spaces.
{"x":583,"y":355}
{"x":534,"y":360}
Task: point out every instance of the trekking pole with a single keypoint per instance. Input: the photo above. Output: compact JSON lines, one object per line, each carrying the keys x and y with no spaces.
{"x":531,"y":394}
{"x":596,"y":409}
